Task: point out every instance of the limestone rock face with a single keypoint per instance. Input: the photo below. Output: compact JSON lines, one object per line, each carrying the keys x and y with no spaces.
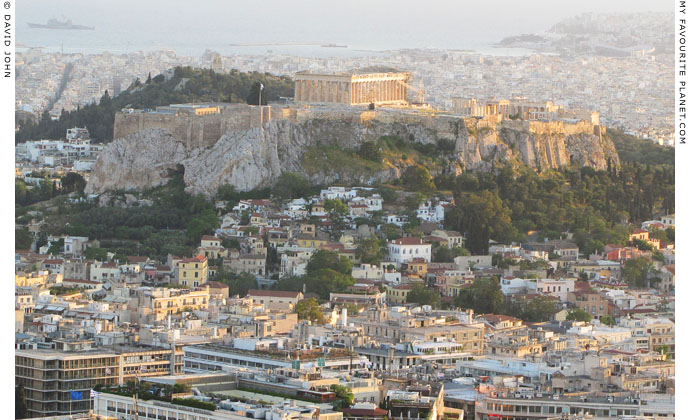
{"x":142,"y":160}
{"x":254,"y":158}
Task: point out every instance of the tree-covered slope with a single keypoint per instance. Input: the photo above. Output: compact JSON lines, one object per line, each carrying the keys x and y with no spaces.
{"x":633,"y":149}
{"x":184,"y":85}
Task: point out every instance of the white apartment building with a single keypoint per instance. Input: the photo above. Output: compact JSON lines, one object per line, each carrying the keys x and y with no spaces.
{"x":405,"y":249}
{"x":553,"y":287}
{"x":340,"y":193}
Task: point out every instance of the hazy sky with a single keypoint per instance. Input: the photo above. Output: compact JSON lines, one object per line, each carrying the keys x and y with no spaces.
{"x":365,"y":23}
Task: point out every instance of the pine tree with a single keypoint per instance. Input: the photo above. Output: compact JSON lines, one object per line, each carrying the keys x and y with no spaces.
{"x":20,"y":411}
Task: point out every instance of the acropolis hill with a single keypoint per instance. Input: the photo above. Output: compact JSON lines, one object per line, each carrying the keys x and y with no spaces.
{"x":216,"y":144}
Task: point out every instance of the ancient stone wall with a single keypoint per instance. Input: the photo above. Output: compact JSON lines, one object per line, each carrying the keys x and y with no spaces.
{"x":193,"y":130}
{"x":229,"y":148}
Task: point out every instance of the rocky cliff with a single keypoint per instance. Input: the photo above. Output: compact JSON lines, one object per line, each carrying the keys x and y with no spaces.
{"x":254,"y":158}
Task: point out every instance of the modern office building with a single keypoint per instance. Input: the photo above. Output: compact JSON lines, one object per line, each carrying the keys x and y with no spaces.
{"x":52,"y":379}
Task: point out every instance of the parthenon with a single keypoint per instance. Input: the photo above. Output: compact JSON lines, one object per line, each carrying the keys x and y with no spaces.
{"x":353,"y":88}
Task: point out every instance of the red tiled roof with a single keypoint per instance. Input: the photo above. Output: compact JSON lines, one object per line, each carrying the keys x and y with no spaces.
{"x":407,"y":241}
{"x":198,"y":258}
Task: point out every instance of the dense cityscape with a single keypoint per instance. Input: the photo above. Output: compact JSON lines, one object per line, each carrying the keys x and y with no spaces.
{"x":406,"y":234}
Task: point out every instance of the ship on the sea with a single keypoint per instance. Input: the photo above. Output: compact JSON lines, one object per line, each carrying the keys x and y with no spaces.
{"x":59,"y":24}
{"x":333,"y":46}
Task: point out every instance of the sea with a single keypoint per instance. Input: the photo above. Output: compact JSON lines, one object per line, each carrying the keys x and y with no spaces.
{"x":299,"y":27}
{"x":101,"y":40}
{"x":266,"y":27}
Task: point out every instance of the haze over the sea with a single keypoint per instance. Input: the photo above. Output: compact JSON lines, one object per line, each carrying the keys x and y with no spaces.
{"x":191,"y":27}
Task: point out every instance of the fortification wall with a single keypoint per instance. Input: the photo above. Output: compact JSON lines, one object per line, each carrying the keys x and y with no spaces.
{"x":193,"y":130}
{"x":204,"y":131}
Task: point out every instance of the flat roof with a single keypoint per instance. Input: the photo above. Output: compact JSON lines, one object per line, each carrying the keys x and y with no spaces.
{"x":236,"y":393}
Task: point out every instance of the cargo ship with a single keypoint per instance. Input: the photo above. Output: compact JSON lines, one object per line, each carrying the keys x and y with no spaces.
{"x":60,"y":24}
{"x":333,"y":46}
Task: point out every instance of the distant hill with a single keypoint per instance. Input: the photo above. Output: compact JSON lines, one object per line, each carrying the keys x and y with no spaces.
{"x":634,"y":149}
{"x":184,"y":84}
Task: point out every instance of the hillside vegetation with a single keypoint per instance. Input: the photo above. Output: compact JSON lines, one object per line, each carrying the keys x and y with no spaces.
{"x":185,"y":85}
{"x":633,"y":149}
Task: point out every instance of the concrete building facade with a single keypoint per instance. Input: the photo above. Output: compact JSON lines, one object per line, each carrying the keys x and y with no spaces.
{"x":50,"y":376}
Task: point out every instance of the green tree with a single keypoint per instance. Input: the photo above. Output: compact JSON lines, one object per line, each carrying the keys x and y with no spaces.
{"x":423,"y":296}
{"x":253,"y":97}
{"x":391,"y":231}
{"x":540,"y":309}
{"x":659,"y":234}
{"x":370,"y":250}
{"x":56,"y":247}
{"x":483,"y":216}
{"x":418,"y":178}
{"x":324,"y":259}
{"x":20,"y":408}
{"x":387,"y":194}
{"x":290,"y":186}
{"x":311,"y":310}
{"x":344,"y":397}
{"x":238,"y":283}
{"x":608,"y":320}
{"x":483,"y":296}
{"x":204,"y":223}
{"x":335,"y":206}
{"x":93,"y":253}
{"x":73,"y":181}
{"x":445,"y":254}
{"x":352,"y":309}
{"x":642,"y":245}
{"x":663,"y":349}
{"x":637,"y":272}
{"x":370,"y":151}
{"x":23,"y":238}
{"x":325,"y":281}
{"x":227,"y":192}
{"x":671,"y":234}
{"x":578,"y":314}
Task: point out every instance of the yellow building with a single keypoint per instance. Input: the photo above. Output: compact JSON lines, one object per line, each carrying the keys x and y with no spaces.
{"x":306,"y":241}
{"x":397,"y":295}
{"x":33,"y":279}
{"x":163,"y":301}
{"x":192,"y":272}
{"x":417,"y":266}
